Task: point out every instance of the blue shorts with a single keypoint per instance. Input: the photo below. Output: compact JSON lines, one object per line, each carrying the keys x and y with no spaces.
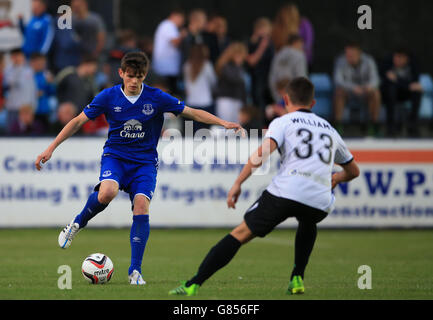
{"x":133,"y":178}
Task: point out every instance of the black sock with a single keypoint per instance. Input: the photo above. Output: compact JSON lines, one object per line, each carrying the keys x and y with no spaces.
{"x":304,"y":243}
{"x":217,"y":258}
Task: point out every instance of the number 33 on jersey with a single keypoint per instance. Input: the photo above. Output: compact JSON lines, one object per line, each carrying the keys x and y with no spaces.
{"x":309,"y":146}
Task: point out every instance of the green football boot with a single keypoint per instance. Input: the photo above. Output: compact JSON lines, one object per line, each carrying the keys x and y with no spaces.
{"x":296,"y":286}
{"x":183,"y":290}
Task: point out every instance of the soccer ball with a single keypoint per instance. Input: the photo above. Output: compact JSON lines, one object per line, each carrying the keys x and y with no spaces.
{"x":97,"y":268}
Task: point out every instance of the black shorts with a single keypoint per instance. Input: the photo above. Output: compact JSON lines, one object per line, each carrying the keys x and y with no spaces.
{"x":269,"y":211}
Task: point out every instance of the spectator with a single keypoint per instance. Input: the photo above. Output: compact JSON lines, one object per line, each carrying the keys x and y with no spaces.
{"x":196,"y":24}
{"x":286,"y":24}
{"x":98,"y":127}
{"x":2,"y":67}
{"x":126,"y":42}
{"x":167,"y":55}
{"x":45,"y":88}
{"x":288,"y":63}
{"x":306,"y":32}
{"x":231,"y":89}
{"x":89,"y":27}
{"x":39,"y":32}
{"x":249,"y":118}
{"x":221,"y":29}
{"x":261,"y":52}
{"x":200,"y":79}
{"x":77,"y":85}
{"x":211,"y":40}
{"x":2,"y":97}
{"x":356,"y":79}
{"x":66,"y":111}
{"x":145,"y":44}
{"x":26,"y":124}
{"x":277,"y":109}
{"x":400,"y":82}
{"x":20,"y":87}
{"x":65,"y":50}
{"x":289,"y":22}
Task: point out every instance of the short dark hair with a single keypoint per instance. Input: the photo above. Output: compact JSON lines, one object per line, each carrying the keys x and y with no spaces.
{"x":16,"y":50}
{"x":301,"y":91}
{"x":89,"y":59}
{"x":136,"y":62}
{"x":352,"y":44}
{"x":294,"y":38}
{"x":402,"y":50}
{"x":36,"y":55}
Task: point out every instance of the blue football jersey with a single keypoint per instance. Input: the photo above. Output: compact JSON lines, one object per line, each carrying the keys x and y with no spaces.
{"x":135,"y":128}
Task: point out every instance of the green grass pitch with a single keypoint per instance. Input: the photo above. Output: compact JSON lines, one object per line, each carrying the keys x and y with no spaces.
{"x":401,"y":263}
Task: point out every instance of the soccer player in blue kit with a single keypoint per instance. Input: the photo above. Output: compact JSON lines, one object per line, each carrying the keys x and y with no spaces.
{"x":135,"y":113}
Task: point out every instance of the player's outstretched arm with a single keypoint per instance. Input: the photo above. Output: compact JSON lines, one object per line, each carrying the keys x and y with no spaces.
{"x":68,"y":130}
{"x":255,"y":161}
{"x":350,"y":172}
{"x":208,"y":118}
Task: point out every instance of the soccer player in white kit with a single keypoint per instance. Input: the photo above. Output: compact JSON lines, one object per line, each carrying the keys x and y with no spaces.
{"x":309,"y":146}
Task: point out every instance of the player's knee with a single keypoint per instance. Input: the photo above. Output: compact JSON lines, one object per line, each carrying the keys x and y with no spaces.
{"x":105,"y":196}
{"x":242,"y":233}
{"x":141,"y":205}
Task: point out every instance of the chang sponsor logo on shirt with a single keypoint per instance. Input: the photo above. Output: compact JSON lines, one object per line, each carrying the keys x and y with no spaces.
{"x":132,"y":129}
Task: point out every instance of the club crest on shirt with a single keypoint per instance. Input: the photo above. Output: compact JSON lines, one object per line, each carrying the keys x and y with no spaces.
{"x":148,"y":109}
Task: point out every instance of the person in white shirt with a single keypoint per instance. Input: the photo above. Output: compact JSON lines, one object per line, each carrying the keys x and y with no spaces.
{"x":309,"y":147}
{"x":166,"y":53}
{"x":200,"y":80}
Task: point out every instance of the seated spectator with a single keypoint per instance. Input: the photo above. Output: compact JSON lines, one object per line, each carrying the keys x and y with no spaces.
{"x":200,"y":80}
{"x":26,"y":124}
{"x":400,"y":82}
{"x":288,"y":63}
{"x":66,"y":111}
{"x":39,"y":32}
{"x":196,"y":23}
{"x":77,"y":85}
{"x":167,"y":55}
{"x":231,"y":89}
{"x":45,"y":86}
{"x":356,"y":78}
{"x":89,"y":27}
{"x":261,"y":52}
{"x":19,"y":85}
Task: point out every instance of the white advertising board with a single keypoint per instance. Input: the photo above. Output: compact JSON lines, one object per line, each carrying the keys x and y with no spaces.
{"x":394,"y":189}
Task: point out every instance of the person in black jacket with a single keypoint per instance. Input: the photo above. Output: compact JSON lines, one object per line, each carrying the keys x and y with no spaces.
{"x":400,"y":82}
